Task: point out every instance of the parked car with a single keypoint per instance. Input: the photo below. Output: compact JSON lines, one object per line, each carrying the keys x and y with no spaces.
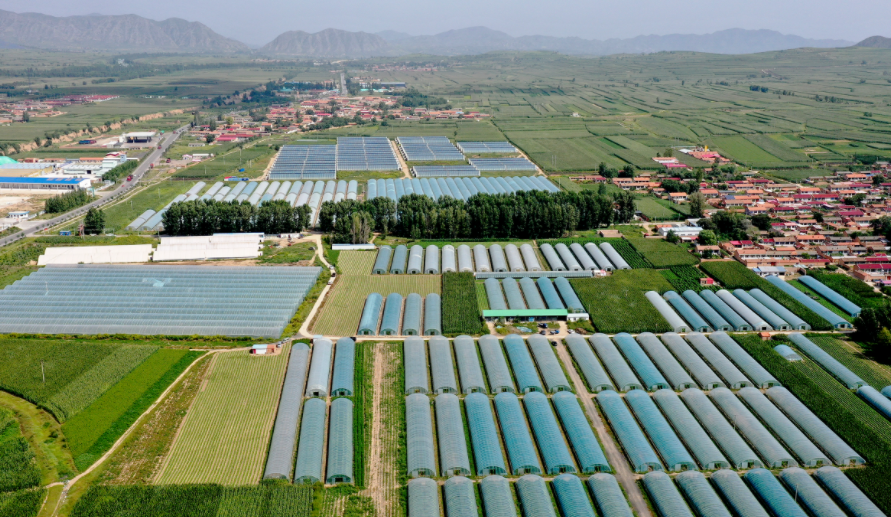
{"x":130,"y":177}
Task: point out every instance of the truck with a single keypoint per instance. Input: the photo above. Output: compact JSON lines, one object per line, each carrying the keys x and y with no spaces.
{"x":130,"y":177}
{"x":65,"y":233}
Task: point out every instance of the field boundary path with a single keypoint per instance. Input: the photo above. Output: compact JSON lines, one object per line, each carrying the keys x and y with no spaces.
{"x":617,"y":460}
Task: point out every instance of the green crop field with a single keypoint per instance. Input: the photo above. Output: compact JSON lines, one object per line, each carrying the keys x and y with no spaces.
{"x":225,"y":436}
{"x":22,"y":503}
{"x":854,"y":290}
{"x":656,"y":211}
{"x":341,"y":311}
{"x":460,"y":310}
{"x":617,"y":303}
{"x":18,"y":470}
{"x":356,"y":262}
{"x":683,"y":278}
{"x":663,"y":254}
{"x":252,"y":159}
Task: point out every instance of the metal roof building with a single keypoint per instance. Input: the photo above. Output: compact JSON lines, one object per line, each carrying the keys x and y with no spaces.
{"x":460,"y":498}
{"x":423,"y":498}
{"x":312,"y":442}
{"x":554,"y":451}
{"x":411,"y":319}
{"x":469,"y":365}
{"x":737,"y":494}
{"x":701,"y":495}
{"x":623,"y":377}
{"x":638,"y":450}
{"x":715,"y":320}
{"x":690,"y":431}
{"x":701,"y":372}
{"x":382,"y":261}
{"x":647,"y":372}
{"x":683,"y":308}
{"x":344,"y":368}
{"x":741,"y":455}
{"x":587,"y":449}
{"x":846,"y":492}
{"x":481,"y":256}
{"x":731,"y":374}
{"x":788,"y":432}
{"x":414,"y":351}
{"x":530,"y":258}
{"x":829,"y":363}
{"x":453,"y":459}
{"x":521,"y":362}
{"x":284,"y":434}
{"x":496,"y":366}
{"x":551,"y":371}
{"x":754,"y":431}
{"x":400,"y":259}
{"x":571,"y":496}
{"x":788,"y":316}
{"x":431,"y":260}
{"x":483,"y":435}
{"x":497,"y":497}
{"x":592,"y":370}
{"x":515,"y":432}
{"x":552,"y":257}
{"x":674,"y":372}
{"x":743,"y":360}
{"x":392,"y":315}
{"x":319,"y":369}
{"x":432,"y":315}
{"x":419,"y":436}
{"x":371,"y":314}
{"x":499,"y":261}
{"x":720,"y":306}
{"x":567,"y":257}
{"x":665,"y":496}
{"x":613,"y":256}
{"x":340,"y":442}
{"x":772,"y":493}
{"x":449,"y":259}
{"x":442,"y":366}
{"x":534,"y":497}
{"x":669,"y":446}
{"x":608,"y":495}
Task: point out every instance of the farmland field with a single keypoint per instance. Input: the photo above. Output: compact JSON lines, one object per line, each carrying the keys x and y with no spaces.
{"x":356,"y":262}
{"x":461,"y":312}
{"x":22,"y":503}
{"x":18,"y":469}
{"x":854,"y":290}
{"x":340,"y":314}
{"x":617,"y":303}
{"x":654,"y":210}
{"x":225,"y":436}
{"x":683,"y":278}
{"x":662,"y":254}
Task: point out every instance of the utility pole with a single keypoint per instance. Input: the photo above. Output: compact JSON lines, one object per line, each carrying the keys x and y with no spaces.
{"x":43,"y":372}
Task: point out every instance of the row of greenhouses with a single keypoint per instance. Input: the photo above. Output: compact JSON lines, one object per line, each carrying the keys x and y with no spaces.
{"x":528,"y":293}
{"x":824,"y":312}
{"x":398,"y":316}
{"x":740,"y":310}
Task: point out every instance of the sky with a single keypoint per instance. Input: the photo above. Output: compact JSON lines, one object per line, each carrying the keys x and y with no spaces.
{"x":258,"y":22}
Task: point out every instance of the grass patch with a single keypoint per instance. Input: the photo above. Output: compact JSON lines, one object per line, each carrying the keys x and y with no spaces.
{"x":297,"y":252}
{"x":663,"y":254}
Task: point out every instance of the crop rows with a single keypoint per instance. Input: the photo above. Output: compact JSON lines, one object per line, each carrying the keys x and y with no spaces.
{"x":653,"y":210}
{"x":23,"y":503}
{"x":663,"y":254}
{"x":18,"y":469}
{"x":683,"y":278}
{"x":617,"y":303}
{"x":460,"y":310}
{"x":356,"y":262}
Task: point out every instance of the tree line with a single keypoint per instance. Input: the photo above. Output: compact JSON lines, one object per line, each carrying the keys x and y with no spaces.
{"x":67,"y":201}
{"x":206,"y":217}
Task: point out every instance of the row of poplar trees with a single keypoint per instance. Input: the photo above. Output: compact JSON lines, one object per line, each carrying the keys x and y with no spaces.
{"x":206,"y":217}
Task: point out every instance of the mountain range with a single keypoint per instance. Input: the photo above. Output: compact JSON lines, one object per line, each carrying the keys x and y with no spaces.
{"x":128,"y":33}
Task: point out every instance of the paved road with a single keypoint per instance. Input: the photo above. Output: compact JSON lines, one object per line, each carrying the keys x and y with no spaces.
{"x":154,"y":156}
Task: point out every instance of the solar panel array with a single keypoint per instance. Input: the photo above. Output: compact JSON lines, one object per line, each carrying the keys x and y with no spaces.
{"x":298,"y":162}
{"x":486,"y":147}
{"x":502,"y":164}
{"x":156,"y":300}
{"x":429,"y":149}
{"x":458,"y":188}
{"x":429,"y":171}
{"x":365,"y":154}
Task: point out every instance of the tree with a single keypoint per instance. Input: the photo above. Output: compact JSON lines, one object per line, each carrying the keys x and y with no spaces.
{"x":94,"y":222}
{"x":818,"y":216}
{"x":672,"y":237}
{"x":762,"y":222}
{"x":698,"y":204}
{"x":210,"y":138}
{"x":625,"y":205}
{"x":213,"y":125}
{"x":707,"y":238}
{"x":628,"y":171}
{"x":25,"y":116}
{"x":668,"y":153}
{"x":700,"y":174}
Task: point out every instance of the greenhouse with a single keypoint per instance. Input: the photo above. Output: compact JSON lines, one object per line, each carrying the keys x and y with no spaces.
{"x":441,"y":365}
{"x":284,"y":434}
{"x":552,"y":257}
{"x":465,"y":262}
{"x":400,"y":259}
{"x":773,"y":319}
{"x":702,"y":373}
{"x":423,"y":498}
{"x":741,"y":455}
{"x":784,"y":428}
{"x":683,"y":308}
{"x":554,"y":452}
{"x":419,"y":436}
{"x":551,"y":371}
{"x":319,"y":369}
{"x":673,"y":453}
{"x":469,"y":365}
{"x":497,"y":497}
{"x":495,"y":295}
{"x":731,"y":374}
{"x":623,"y":377}
{"x":530,"y":293}
{"x":788,"y":316}
{"x":638,"y":450}
{"x":737,"y":494}
{"x":534,"y":497}
{"x":615,"y":259}
{"x":453,"y":459}
{"x":340,"y":443}
{"x":587,"y":449}
{"x":551,"y":298}
{"x":772,"y":493}
{"x":567,"y":257}
{"x":829,"y":363}
{"x":496,"y":365}
{"x":677,"y":376}
{"x":809,"y":494}
{"x":754,"y":431}
{"x":499,"y":261}
{"x":312,"y":442}
{"x":676,"y":323}
{"x":832,"y":318}
{"x":411,"y":319}
{"x":608,"y":496}
{"x":647,"y":372}
{"x":715,"y":320}
{"x":690,"y":431}
{"x":449,"y":259}
{"x":701,"y":495}
{"x":414,"y":350}
{"x":583,"y":258}
{"x":755,"y":321}
{"x":514,"y":259}
{"x":529,"y":257}
{"x":432,"y":315}
{"x":571,"y":496}
{"x":481,"y":257}
{"x":838,"y":300}
{"x":515,"y":432}
{"x":371,"y":314}
{"x":573,"y":304}
{"x":846,"y":492}
{"x":787,"y":353}
{"x":392,"y":315}
{"x":665,"y":496}
{"x":483,"y":435}
{"x":592,"y":370}
{"x":513,"y":294}
{"x":734,"y":319}
{"x":521,"y":362}
{"x":460,"y":498}
{"x":875,"y":399}
{"x":415,"y":260}
{"x":382,"y":261}
{"x":743,"y":360}
{"x":431,"y":260}
{"x":344,"y":368}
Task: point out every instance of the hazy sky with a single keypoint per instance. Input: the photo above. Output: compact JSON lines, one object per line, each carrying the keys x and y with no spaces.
{"x":259,"y":21}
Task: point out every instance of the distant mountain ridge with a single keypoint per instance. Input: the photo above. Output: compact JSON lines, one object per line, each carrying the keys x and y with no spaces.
{"x":112,"y":33}
{"x":327,"y":43}
{"x":875,"y":42}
